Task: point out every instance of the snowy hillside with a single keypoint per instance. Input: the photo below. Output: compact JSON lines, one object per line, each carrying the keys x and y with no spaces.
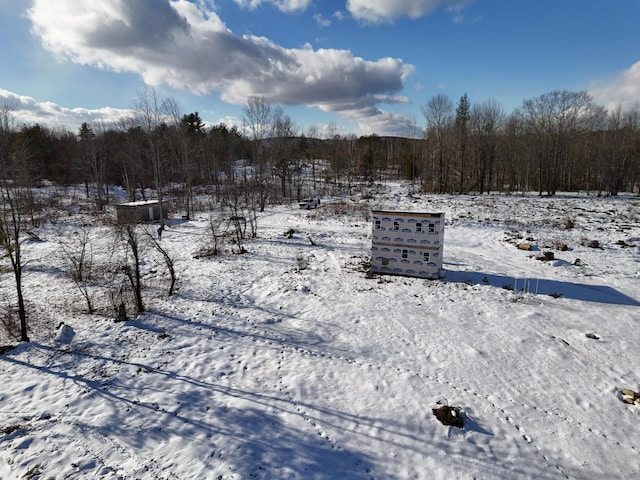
{"x":289,"y":362}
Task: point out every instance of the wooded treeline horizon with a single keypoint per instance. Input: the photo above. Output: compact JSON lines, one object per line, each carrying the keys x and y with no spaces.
{"x":558,"y":141}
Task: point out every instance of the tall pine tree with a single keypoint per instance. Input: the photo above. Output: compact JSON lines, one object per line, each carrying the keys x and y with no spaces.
{"x":462,"y":119}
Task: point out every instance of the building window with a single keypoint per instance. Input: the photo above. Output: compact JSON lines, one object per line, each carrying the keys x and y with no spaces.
{"x":432,"y":227}
{"x":425,"y":256}
{"x":404,"y":253}
{"x":385,"y":261}
{"x":418,"y":227}
{"x":377,"y":225}
{"x":396,"y":226}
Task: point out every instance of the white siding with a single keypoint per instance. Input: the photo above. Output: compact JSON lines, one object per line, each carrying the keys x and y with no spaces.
{"x":407,"y":243}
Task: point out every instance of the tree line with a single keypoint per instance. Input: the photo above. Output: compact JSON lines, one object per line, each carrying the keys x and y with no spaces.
{"x":558,"y":141}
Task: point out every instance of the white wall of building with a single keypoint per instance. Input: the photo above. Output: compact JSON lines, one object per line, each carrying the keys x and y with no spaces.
{"x":407,"y":243}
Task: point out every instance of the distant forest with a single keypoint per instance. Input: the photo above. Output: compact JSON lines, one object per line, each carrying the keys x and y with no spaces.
{"x":558,"y":141}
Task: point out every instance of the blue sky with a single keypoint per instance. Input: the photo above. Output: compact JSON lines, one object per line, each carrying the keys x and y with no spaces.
{"x":354,"y":66}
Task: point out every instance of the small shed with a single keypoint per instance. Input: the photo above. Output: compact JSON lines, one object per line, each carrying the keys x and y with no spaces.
{"x":141,"y":211}
{"x":407,"y":243}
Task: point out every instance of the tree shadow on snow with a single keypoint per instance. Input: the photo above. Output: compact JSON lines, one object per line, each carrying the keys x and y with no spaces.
{"x":541,"y":286}
{"x":254,"y":434}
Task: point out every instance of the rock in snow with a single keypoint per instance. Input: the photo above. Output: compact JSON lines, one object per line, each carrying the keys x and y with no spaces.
{"x":65,"y":334}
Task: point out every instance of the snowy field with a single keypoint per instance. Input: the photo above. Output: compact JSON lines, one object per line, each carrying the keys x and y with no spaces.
{"x":288,"y":362}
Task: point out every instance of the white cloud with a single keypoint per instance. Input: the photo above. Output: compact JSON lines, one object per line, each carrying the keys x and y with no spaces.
{"x":388,"y":124}
{"x":623,"y":90}
{"x":385,"y":11}
{"x":332,"y":80}
{"x":287,"y":6}
{"x":29,"y":111}
{"x":339,"y":15}
{"x":185,"y":46}
{"x":457,"y":12}
{"x":321,"y":20}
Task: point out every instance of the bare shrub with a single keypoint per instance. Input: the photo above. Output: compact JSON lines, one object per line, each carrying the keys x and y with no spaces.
{"x":217,"y":235}
{"x":342,"y":208}
{"x":77,"y":254}
{"x":167,"y":257}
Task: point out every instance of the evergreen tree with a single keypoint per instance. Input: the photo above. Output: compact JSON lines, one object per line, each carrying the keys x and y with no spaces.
{"x":192,"y":123}
{"x":462,"y":120}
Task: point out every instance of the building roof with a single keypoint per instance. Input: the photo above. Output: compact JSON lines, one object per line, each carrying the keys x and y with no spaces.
{"x":139,"y":203}
{"x":408,"y":213}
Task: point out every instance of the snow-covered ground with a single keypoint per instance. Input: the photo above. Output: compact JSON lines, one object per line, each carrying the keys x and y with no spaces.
{"x":288,"y":362}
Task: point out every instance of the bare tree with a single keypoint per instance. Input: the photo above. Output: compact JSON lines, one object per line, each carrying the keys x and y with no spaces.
{"x":313,"y":133}
{"x":16,"y":198}
{"x":486,"y":120}
{"x":77,"y":253}
{"x":556,"y":118}
{"x":334,"y":137}
{"x":242,"y":214}
{"x":257,"y":115}
{"x":93,"y":160}
{"x":10,"y":232}
{"x":187,"y":148}
{"x":517,"y":159}
{"x":217,"y":234}
{"x":618,"y":147}
{"x":130,"y":237}
{"x":153,"y":115}
{"x":282,"y":132}
{"x":371,"y":155}
{"x":438,"y":113}
{"x":168,"y":260}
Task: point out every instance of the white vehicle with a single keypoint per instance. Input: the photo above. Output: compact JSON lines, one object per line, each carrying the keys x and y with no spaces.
{"x":310,"y":203}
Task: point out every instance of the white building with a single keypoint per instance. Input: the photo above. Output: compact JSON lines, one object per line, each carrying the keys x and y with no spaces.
{"x":407,"y":243}
{"x":141,"y":211}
